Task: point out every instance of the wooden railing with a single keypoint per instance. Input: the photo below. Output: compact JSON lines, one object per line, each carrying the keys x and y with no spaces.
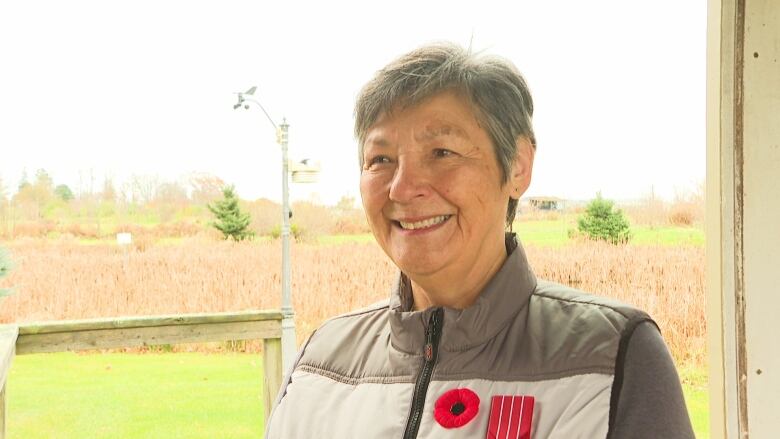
{"x":124,"y":332}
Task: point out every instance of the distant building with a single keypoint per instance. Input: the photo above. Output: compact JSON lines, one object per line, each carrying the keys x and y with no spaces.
{"x":544,"y":203}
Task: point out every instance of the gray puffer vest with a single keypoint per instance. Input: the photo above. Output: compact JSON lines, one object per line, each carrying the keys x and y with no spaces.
{"x":540,"y":358}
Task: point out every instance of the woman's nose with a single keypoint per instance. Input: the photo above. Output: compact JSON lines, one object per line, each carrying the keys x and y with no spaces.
{"x":410,"y":181}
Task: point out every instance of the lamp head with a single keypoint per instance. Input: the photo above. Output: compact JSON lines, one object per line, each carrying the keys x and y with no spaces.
{"x":240,"y":101}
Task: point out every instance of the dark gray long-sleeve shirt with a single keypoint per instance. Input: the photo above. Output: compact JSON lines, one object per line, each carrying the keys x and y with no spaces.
{"x":651,"y":403}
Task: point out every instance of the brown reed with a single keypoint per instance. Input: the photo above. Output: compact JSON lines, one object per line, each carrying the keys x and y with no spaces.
{"x":58,"y":280}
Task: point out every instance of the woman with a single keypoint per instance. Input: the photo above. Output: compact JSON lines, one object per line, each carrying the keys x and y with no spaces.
{"x":470,"y":344}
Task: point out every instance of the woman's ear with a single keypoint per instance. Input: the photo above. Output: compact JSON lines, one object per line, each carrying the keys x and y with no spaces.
{"x":522,"y":167}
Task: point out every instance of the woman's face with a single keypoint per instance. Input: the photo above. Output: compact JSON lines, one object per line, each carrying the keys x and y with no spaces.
{"x":431,"y":187}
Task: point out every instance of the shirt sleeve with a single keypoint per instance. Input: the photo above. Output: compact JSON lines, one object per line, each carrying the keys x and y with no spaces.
{"x":650,"y":402}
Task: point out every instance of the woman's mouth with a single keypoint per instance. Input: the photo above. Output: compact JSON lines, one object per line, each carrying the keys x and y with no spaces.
{"x":423,"y":224}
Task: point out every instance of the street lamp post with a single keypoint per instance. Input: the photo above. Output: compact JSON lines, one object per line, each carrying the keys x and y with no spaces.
{"x":288,"y":322}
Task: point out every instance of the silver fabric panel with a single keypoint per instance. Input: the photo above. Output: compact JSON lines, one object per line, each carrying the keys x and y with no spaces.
{"x":318,"y":407}
{"x":567,"y":408}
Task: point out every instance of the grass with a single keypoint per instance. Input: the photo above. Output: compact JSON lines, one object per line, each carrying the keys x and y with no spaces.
{"x":555,"y":233}
{"x":68,"y":395}
{"x":345,"y":239}
{"x":697,"y":399}
{"x":668,"y":236}
{"x":544,"y":233}
{"x":552,"y":232}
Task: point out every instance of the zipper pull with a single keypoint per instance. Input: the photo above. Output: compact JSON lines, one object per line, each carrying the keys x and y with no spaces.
{"x":429,"y":334}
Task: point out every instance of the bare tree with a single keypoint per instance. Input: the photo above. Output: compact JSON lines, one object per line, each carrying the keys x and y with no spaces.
{"x":33,"y":198}
{"x":170,"y":192}
{"x":109,"y":191}
{"x":205,"y":188}
{"x":143,"y":188}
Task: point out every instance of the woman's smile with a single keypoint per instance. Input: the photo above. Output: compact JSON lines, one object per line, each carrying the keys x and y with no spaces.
{"x":417,"y":226}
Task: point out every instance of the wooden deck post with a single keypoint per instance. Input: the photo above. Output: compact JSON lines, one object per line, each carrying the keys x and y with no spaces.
{"x":272,"y":373}
{"x":8,"y":335}
{"x":2,"y":412}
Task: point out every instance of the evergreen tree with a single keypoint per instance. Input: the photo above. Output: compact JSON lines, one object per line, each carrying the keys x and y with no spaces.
{"x":602,"y":221}
{"x":230,"y":220}
{"x":64,"y":192}
{"x":5,"y":267}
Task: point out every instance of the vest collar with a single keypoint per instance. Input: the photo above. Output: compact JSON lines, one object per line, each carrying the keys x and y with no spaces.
{"x":499,"y":302}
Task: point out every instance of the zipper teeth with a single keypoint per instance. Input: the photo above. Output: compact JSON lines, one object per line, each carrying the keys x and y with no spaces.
{"x":424,"y":378}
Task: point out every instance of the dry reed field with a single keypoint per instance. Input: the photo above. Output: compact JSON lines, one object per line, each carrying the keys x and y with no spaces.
{"x":58,"y":280}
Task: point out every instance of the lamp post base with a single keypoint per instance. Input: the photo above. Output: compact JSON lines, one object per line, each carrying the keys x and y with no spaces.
{"x":289,"y":349}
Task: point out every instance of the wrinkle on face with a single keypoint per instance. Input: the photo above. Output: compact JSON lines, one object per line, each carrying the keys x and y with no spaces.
{"x":438,"y":129}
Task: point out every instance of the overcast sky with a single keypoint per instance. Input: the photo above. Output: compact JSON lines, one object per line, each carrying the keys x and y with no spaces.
{"x":146,"y":87}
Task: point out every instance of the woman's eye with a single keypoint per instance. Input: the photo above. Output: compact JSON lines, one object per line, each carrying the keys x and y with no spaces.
{"x":441,"y":152}
{"x":378,"y":160}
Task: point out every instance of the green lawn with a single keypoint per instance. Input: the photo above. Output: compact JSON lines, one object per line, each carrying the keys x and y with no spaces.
{"x":555,"y":233}
{"x":544,"y":233}
{"x":66,"y":395}
{"x":672,"y":236}
{"x":548,"y":233}
{"x":697,"y":399}
{"x":345,"y":239}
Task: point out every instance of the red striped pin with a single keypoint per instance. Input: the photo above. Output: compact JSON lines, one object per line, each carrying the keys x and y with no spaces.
{"x":510,"y":417}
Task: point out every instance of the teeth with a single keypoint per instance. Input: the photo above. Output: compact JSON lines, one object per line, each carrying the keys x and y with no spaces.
{"x":430,"y":222}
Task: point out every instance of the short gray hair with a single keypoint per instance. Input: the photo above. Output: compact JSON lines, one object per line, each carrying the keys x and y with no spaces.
{"x":494,"y":87}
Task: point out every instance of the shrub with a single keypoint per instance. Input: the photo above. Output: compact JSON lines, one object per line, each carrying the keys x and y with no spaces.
{"x":602,"y":222}
{"x":178,"y":229}
{"x":681,"y":216}
{"x":313,"y":219}
{"x":33,"y":229}
{"x":265,"y":215}
{"x":81,"y":231}
{"x":686,"y":211}
{"x":297,"y":232}
{"x":351,"y":224}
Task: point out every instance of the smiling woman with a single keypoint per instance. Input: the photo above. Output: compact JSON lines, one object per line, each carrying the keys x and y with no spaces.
{"x":446,"y":149}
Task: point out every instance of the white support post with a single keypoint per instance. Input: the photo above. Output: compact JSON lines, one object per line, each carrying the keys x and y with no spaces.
{"x":743,"y":213}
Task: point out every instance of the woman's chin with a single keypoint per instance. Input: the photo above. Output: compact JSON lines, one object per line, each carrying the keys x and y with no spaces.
{"x":419,"y":263}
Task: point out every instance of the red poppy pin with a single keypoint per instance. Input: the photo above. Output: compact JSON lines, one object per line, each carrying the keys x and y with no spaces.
{"x":456,"y":407}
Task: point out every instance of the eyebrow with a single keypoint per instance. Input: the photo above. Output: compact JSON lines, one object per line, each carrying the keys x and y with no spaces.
{"x":431,"y":133}
{"x":444,"y":130}
{"x":377,"y":141}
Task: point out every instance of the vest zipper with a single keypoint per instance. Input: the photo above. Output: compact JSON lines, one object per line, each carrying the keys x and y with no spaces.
{"x":432,"y":337}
